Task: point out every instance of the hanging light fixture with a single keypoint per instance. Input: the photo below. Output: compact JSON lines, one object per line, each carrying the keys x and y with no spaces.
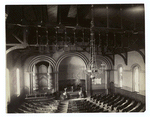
{"x":92,"y":69}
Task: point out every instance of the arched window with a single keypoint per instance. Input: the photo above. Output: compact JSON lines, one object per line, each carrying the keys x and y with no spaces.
{"x":7,"y":86}
{"x":136,"y":76}
{"x":18,"y":82}
{"x":120,"y":76}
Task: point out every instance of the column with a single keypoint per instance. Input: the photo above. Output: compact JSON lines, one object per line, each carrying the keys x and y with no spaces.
{"x":35,"y":82}
{"x":89,"y":86}
{"x":107,"y":79}
{"x":48,"y":80}
{"x":56,"y":82}
{"x":31,"y":83}
{"x":49,"y":77}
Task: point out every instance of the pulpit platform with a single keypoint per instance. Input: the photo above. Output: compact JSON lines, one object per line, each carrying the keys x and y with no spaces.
{"x":73,"y":95}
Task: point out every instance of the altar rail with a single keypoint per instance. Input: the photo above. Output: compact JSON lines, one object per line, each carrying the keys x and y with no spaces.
{"x":39,"y":95}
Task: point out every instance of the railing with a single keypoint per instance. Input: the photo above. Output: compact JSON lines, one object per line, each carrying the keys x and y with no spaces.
{"x":39,"y":95}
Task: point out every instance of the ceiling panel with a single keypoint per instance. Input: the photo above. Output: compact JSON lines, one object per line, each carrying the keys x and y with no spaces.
{"x":100,"y":16}
{"x":52,"y":13}
{"x":114,"y":16}
{"x":72,"y":11}
{"x":29,"y":13}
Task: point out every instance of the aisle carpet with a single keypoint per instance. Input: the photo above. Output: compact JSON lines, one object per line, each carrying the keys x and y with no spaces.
{"x":74,"y":106}
{"x":63,"y":106}
{"x":69,"y":106}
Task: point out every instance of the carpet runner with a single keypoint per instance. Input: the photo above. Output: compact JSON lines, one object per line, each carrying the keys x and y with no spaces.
{"x":69,"y":106}
{"x":74,"y":105}
{"x":63,"y":106}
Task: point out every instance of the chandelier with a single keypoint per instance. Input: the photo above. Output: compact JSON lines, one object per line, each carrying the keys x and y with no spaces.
{"x":92,"y":69}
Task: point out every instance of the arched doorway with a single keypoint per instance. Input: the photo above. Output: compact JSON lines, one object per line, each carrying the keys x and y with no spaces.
{"x":71,"y":74}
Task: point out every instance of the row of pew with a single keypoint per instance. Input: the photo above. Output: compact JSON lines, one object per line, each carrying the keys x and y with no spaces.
{"x":82,"y":106}
{"x":96,"y":103}
{"x":114,"y":103}
{"x":38,"y":106}
{"x":106,"y":103}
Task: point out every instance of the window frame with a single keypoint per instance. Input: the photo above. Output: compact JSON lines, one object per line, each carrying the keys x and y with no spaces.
{"x":133,"y":78}
{"x":118,"y":72}
{"x":18,"y":82}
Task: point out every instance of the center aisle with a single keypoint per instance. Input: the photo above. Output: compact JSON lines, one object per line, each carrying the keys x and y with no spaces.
{"x":63,"y":107}
{"x":74,"y":105}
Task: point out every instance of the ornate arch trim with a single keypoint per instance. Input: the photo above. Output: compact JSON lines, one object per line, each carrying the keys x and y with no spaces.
{"x":40,"y":58}
{"x":80,"y":55}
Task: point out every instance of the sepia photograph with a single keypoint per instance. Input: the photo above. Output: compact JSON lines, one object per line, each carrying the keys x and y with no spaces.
{"x":75,"y":58}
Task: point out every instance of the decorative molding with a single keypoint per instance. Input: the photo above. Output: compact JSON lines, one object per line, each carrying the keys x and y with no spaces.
{"x":42,"y":76}
{"x":23,"y":44}
{"x":141,"y":71}
{"x":106,"y":60}
{"x":40,"y":58}
{"x":111,"y":57}
{"x":127,"y":70}
{"x":62,"y":57}
{"x":124,"y":56}
{"x":18,"y":46}
{"x":142,"y":54}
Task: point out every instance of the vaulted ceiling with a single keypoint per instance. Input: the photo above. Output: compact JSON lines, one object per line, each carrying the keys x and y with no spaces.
{"x":117,"y":27}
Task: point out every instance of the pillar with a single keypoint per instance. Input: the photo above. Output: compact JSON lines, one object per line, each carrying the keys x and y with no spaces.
{"x":49,"y":74}
{"x":35,"y":80}
{"x":89,"y":86}
{"x":31,"y":83}
{"x":56,"y":82}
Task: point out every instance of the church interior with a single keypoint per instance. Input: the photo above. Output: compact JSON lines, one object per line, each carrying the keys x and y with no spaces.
{"x":75,"y":58}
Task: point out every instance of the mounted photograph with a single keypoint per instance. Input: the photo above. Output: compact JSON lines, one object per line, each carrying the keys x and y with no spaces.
{"x":75,"y":58}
